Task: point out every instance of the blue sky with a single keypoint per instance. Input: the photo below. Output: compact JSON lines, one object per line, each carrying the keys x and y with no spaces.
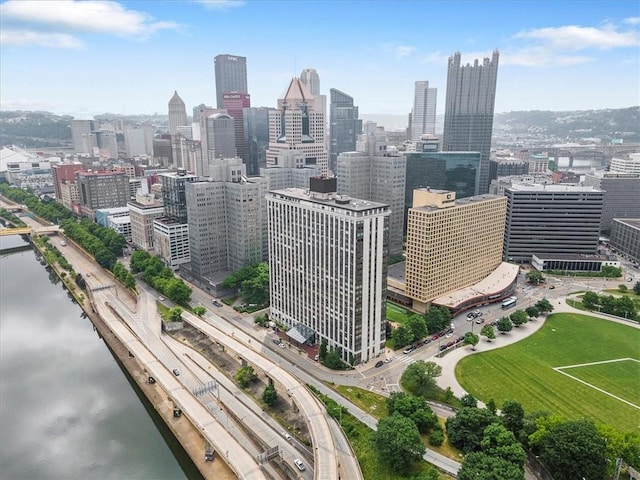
{"x":89,"y":57}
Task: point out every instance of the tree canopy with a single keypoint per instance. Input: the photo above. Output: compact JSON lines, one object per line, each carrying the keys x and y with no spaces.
{"x":419,"y":377}
{"x":504,"y":325}
{"x":415,"y":408}
{"x":488,"y":331}
{"x":535,"y":277}
{"x":252,"y":281}
{"x":519,"y":317}
{"x":398,"y":442}
{"x":437,"y":318}
{"x":480,"y":466}
{"x":466,"y":428}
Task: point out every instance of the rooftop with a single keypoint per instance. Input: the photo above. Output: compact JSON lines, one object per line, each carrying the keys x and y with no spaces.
{"x":633,"y":222}
{"x":337,"y":201}
{"x":555,"y":187}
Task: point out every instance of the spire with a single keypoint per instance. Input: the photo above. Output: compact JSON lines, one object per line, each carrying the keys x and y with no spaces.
{"x":176,"y":100}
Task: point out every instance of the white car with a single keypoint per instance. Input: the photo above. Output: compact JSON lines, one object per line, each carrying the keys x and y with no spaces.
{"x":299,"y":464}
{"x":286,"y":435}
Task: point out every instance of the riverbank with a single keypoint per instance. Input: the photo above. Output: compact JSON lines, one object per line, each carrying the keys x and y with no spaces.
{"x":183,"y":430}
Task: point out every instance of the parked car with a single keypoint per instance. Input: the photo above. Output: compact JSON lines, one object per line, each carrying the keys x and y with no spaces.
{"x":387,"y":360}
{"x":216,"y":303}
{"x":286,"y":435}
{"x":379,"y":363}
{"x":435,"y":337}
{"x":176,"y":372}
{"x":442,"y":347}
{"x":408,"y":350}
{"x":551,"y":287}
{"x":299,"y":464}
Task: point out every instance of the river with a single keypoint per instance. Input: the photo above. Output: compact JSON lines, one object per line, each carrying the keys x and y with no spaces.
{"x":67,"y":408}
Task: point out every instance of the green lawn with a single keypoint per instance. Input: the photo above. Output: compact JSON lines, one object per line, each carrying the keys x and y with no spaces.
{"x":524,"y":371}
{"x":397,"y":314}
{"x":618,"y":378}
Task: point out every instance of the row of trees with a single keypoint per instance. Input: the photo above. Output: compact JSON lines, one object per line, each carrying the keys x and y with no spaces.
{"x":160,"y":277}
{"x":622,"y":306}
{"x":418,"y":327}
{"x":10,"y":217}
{"x":46,"y":208}
{"x":252,"y":281}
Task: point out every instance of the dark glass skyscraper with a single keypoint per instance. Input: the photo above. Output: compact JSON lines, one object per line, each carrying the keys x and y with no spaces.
{"x":256,"y":138}
{"x":231,"y":76}
{"x":344,"y":126}
{"x":468,"y":116}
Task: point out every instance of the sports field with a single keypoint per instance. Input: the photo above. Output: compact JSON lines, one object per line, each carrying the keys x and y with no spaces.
{"x":574,"y":366}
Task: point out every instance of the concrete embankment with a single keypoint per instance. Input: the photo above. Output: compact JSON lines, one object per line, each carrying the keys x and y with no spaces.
{"x":186,"y":434}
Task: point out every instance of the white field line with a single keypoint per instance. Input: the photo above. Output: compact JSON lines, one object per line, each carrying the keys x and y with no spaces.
{"x":559,"y":370}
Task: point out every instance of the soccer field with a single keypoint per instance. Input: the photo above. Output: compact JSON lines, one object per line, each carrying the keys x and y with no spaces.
{"x":574,"y":366}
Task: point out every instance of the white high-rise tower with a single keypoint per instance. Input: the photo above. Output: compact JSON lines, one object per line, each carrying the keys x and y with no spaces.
{"x":423,"y":116}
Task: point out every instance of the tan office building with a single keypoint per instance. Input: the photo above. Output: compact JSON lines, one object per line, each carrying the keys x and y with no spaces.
{"x":451,"y":244}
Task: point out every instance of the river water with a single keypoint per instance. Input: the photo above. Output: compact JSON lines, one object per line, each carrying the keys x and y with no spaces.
{"x":67,"y":409}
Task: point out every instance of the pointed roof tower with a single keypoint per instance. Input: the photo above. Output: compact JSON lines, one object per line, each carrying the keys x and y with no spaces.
{"x":177,"y":113}
{"x":176,"y":100}
{"x":296,"y":93}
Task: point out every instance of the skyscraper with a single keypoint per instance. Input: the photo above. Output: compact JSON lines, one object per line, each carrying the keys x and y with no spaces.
{"x":310,"y":78}
{"x":231,"y":76}
{"x":234,"y":103}
{"x":80,"y":128}
{"x":256,"y":138}
{"x":297,"y":125}
{"x":177,"y":113}
{"x":423,"y":116}
{"x":328,"y":268}
{"x":221,"y":137}
{"x":344,"y":126}
{"x":468,"y":115}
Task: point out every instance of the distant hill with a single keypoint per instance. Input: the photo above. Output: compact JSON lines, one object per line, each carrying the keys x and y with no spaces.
{"x":621,"y":123}
{"x":34,"y":129}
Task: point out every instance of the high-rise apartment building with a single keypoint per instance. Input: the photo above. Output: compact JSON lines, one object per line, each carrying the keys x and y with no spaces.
{"x":457,"y":172}
{"x":629,"y":164}
{"x":328,"y":267}
{"x":102,"y":189}
{"x":621,"y":195}
{"x":227,"y":219}
{"x":451,"y":243}
{"x":344,"y":126}
{"x":551,"y":219}
{"x":468,"y":115}
{"x":423,"y":115}
{"x":177,"y":113}
{"x":256,"y":138}
{"x":231,"y":76}
{"x":311,"y":79}
{"x":80,"y":128}
{"x":374,"y":174}
{"x":235,"y":103}
{"x":173,"y":194}
{"x":296,"y":125}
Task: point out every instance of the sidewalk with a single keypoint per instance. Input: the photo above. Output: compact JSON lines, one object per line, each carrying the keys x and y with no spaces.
{"x":450,"y":360}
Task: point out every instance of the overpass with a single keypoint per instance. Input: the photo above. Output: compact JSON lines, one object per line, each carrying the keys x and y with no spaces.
{"x":29,"y":230}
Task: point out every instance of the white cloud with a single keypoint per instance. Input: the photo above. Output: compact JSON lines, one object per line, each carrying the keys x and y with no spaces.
{"x":632,"y":21}
{"x":541,"y":57}
{"x":220,"y":4}
{"x":93,"y":16}
{"x":24,"y":38}
{"x":404,"y":50}
{"x":574,"y":37}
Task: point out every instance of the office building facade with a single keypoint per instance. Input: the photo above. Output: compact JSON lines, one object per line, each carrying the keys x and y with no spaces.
{"x":311,"y":79}
{"x":173,"y":194}
{"x":625,"y":237}
{"x":327,"y":268}
{"x":235,"y":103}
{"x":142,"y":212}
{"x":296,"y":125}
{"x":79,"y":130}
{"x":344,"y":126}
{"x":423,"y":115}
{"x":177,"y":113}
{"x":468,"y":116}
{"x":256,"y":138}
{"x":64,"y":173}
{"x":102,"y":189}
{"x":451,"y":243}
{"x":621,"y":195}
{"x":231,"y":76}
{"x":551,"y":219}
{"x":221,"y":136}
{"x":454,"y":171}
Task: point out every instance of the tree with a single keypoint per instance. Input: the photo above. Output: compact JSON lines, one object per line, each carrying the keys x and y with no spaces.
{"x":175,"y":314}
{"x":466,"y":428}
{"x":415,"y":408}
{"x":513,"y":416}
{"x":436,"y":438}
{"x":471,"y":339}
{"x":611,"y":272}
{"x":574,"y":450}
{"x":398,"y":442}
{"x":270,"y":396}
{"x":419,"y":377}
{"x":499,"y":442}
{"x":532,"y":312}
{"x":504,"y":325}
{"x":333,"y":360}
{"x":245,"y":375}
{"x":488,"y":331}
{"x":636,"y":288}
{"x":624,"y":307}
{"x":622,"y":287}
{"x":480,"y":466}
{"x":401,"y":336}
{"x":544,"y":306}
{"x":519,"y":317}
{"x":535,"y":277}
{"x":437,"y":318}
{"x":418,"y":327}
{"x":199,"y":311}
{"x":322,"y":352}
{"x":469,"y":400}
{"x":178,"y":291}
{"x":590,"y":299}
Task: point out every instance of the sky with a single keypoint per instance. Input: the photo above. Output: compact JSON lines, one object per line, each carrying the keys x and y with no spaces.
{"x":83,"y":58}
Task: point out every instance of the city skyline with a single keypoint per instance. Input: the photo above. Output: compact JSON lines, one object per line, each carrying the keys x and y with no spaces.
{"x":551,"y":58}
